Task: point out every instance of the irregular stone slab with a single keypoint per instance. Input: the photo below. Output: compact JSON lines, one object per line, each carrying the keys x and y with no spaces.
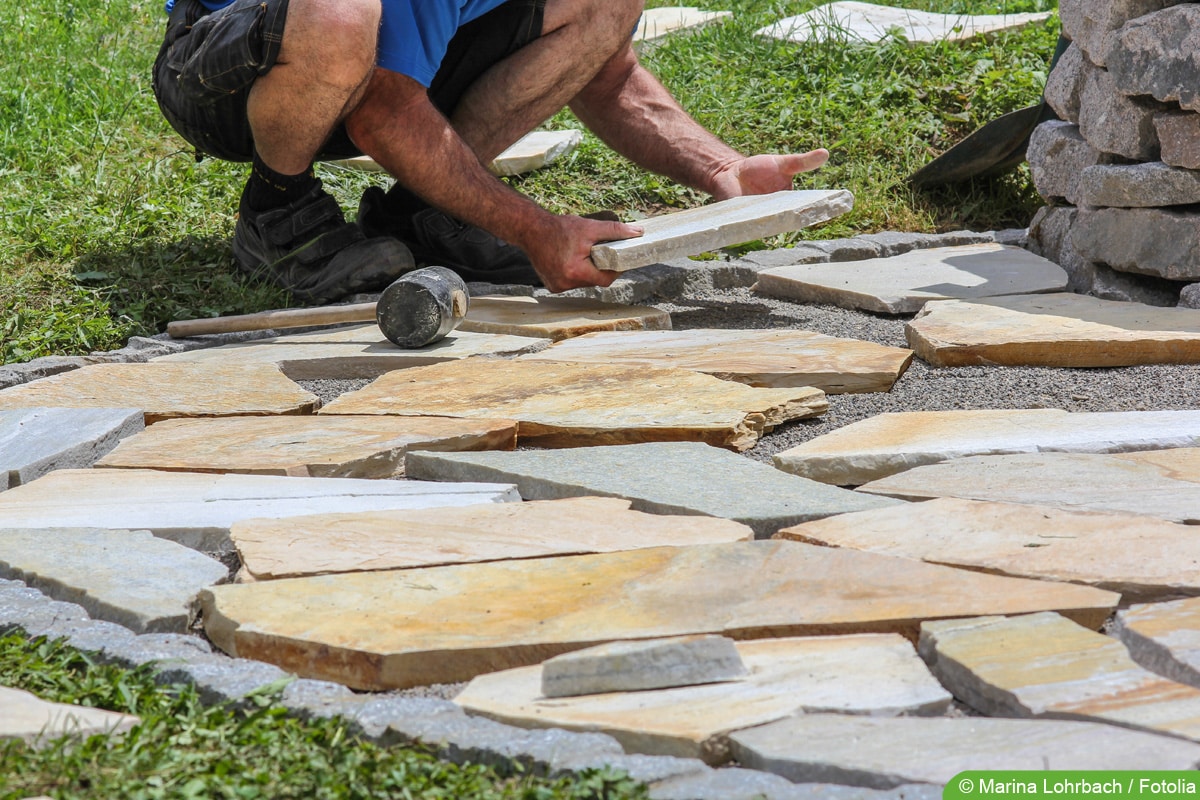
{"x":163,"y":391}
{"x":315,"y":446}
{"x":1179,"y":135}
{"x":1141,"y":558}
{"x":1056,"y":330}
{"x":660,"y":478}
{"x":739,"y":219}
{"x":1164,"y":638}
{"x":646,"y":664}
{"x":320,"y":544}
{"x":446,"y":624}
{"x":35,"y":441}
{"x":1045,"y":665}
{"x":875,"y":674}
{"x":360,"y":351}
{"x":1115,"y":123}
{"x":903,"y":284}
{"x":197,"y":509}
{"x":657,"y":23}
{"x":1153,"y":55}
{"x":567,"y":405}
{"x":39,"y":722}
{"x":774,"y":358}
{"x":558,"y":317}
{"x":878,"y":752}
{"x":1065,"y":83}
{"x":534,"y":151}
{"x":1138,"y":185}
{"x":1148,"y":241}
{"x":91,"y":567}
{"x":1057,"y":156}
{"x":867,"y":22}
{"x":894,"y":442}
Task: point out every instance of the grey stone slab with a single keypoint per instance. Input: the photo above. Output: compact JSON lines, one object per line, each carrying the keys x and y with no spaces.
{"x":1148,"y":241}
{"x":1143,"y":185}
{"x":1057,"y":156}
{"x":866,"y":22}
{"x":1111,"y":122}
{"x":1154,"y":55}
{"x":34,"y":441}
{"x":644,"y":664}
{"x":747,"y":784}
{"x":534,"y":151}
{"x":164,"y":649}
{"x":38,"y":722}
{"x":852,"y":249}
{"x":647,"y":769}
{"x":223,"y":680}
{"x":33,"y":613}
{"x":311,"y":699}
{"x":1064,"y":84}
{"x":660,"y":478}
{"x":786,"y":256}
{"x":91,"y":567}
{"x":95,"y":635}
{"x":1179,"y":136}
{"x":1164,"y":638}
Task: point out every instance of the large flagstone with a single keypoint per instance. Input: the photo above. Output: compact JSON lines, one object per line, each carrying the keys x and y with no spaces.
{"x":1142,"y":558}
{"x":310,"y":446}
{"x":197,"y":509}
{"x":659,"y":477}
{"x":558,"y":317}
{"x":39,"y":722}
{"x":1054,"y":330}
{"x":567,"y":405}
{"x":876,"y":674}
{"x":376,"y":540}
{"x":401,"y":628}
{"x":868,"y":22}
{"x":1164,"y":638}
{"x":1045,"y":665}
{"x":903,"y":284}
{"x":657,"y":23}
{"x":889,"y":443}
{"x":163,"y":391}
{"x":34,"y":441}
{"x":775,"y":358}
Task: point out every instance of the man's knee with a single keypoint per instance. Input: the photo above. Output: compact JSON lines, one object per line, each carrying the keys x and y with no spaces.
{"x":336,"y":37}
{"x":609,"y":21}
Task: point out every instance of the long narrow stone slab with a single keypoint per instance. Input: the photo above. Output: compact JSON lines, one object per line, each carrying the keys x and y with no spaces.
{"x":376,"y":540}
{"x":739,"y":219}
{"x":642,"y":664}
{"x":1164,"y":638}
{"x":894,"y":442}
{"x":660,"y":478}
{"x":567,"y":405}
{"x":903,"y":284}
{"x":197,"y":509}
{"x":35,"y":441}
{"x":558,"y":317}
{"x":534,"y":151}
{"x":776,"y":358}
{"x":867,"y":22}
{"x":876,"y":674}
{"x":310,"y":446}
{"x":1045,"y":665}
{"x":39,"y":722}
{"x":657,"y":23}
{"x":446,"y":624}
{"x":1056,"y":330}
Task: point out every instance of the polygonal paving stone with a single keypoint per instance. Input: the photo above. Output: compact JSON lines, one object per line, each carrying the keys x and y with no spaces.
{"x":657,"y":23}
{"x":867,"y":22}
{"x":406,"y":628}
{"x":776,"y":358}
{"x":875,"y":674}
{"x":313,"y":446}
{"x":903,"y":284}
{"x":1057,"y":330}
{"x":1164,"y":638}
{"x":38,"y":722}
{"x":642,"y":664}
{"x":35,"y":441}
{"x":558,"y":317}
{"x":568,"y":405}
{"x":377,"y":540}
{"x":889,"y":443}
{"x":534,"y":151}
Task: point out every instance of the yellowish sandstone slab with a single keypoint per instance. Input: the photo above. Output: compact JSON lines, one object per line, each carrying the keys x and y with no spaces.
{"x":29,"y":718}
{"x":558,"y":317}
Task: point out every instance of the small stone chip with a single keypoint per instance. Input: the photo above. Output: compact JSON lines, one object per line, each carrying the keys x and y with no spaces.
{"x":648,"y":664}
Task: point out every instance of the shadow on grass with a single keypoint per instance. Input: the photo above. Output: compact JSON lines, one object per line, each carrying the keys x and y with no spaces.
{"x":979,"y":204}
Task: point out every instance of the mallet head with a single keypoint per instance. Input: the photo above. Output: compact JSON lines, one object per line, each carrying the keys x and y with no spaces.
{"x":422,"y":307}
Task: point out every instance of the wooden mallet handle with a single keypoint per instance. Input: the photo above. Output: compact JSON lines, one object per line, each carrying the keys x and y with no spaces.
{"x":264,"y":320}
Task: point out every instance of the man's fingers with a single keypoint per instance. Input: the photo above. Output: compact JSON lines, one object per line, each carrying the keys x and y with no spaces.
{"x":796,"y":163}
{"x":612,"y":231}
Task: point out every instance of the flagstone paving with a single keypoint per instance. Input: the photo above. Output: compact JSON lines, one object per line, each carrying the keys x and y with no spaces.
{"x":644,"y":664}
{"x":659,"y":477}
{"x":889,"y":443}
{"x":903,"y":284}
{"x":867,"y":22}
{"x":876,"y":674}
{"x":534,"y":151}
{"x":377,"y":540}
{"x":35,"y":441}
{"x":446,"y":624}
{"x":567,"y":405}
{"x":1164,"y":638}
{"x":558,"y":317}
{"x":656,"y":23}
{"x":775,"y":358}
{"x":39,"y":722}
{"x":310,"y":446}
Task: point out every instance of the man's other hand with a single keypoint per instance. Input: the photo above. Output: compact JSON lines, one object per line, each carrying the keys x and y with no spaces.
{"x":764,"y":174}
{"x":563,"y":256}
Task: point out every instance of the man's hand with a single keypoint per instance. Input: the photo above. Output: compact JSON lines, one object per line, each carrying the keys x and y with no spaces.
{"x":764,"y":174}
{"x":563,"y":255}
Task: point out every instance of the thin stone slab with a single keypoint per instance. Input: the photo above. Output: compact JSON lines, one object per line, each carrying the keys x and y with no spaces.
{"x":534,"y":151}
{"x":568,"y":405}
{"x":376,"y":540}
{"x":197,"y":509}
{"x":889,"y":443}
{"x":739,"y":219}
{"x":867,"y":22}
{"x":660,"y":478}
{"x":1056,"y":330}
{"x":640,"y":665}
{"x":657,"y":23}
{"x":39,"y":722}
{"x":35,"y":441}
{"x":558,"y":317}
{"x":163,"y":391}
{"x":1141,"y":558}
{"x":1164,"y":638}
{"x":311,"y":446}
{"x":774,"y":358}
{"x":876,"y":674}
{"x":359,"y":351}
{"x":1045,"y":665}
{"x":903,"y":284}
{"x":92,"y":567}
{"x":396,"y":629}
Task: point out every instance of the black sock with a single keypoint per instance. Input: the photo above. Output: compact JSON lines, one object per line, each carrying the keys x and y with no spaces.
{"x":269,"y":189}
{"x":401,"y":202}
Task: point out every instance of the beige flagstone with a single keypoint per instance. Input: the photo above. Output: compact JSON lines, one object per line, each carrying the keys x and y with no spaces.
{"x":534,"y":151}
{"x":311,"y":446}
{"x":1054,"y":330}
{"x":876,"y":674}
{"x":558,"y":317}
{"x":657,"y":23}
{"x":1141,"y":558}
{"x":446,"y":624}
{"x":775,"y":358}
{"x":567,"y":405}
{"x":894,"y":442}
{"x":1164,"y":638}
{"x":163,"y":391}
{"x":359,"y":351}
{"x":39,"y":722}
{"x":1045,"y":665}
{"x":868,"y":22}
{"x":378,"y":540}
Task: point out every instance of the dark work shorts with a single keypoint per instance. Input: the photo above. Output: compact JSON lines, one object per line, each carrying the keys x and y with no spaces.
{"x":209,"y":61}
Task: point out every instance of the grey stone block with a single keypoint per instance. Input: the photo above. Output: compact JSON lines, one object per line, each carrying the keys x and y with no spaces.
{"x":480,"y":289}
{"x":1147,"y":185}
{"x":1015,"y":237}
{"x":960,"y":238}
{"x":34,"y":614}
{"x":219,"y":679}
{"x":1091,"y":25}
{"x":160,"y":648}
{"x":35,"y":441}
{"x":1179,"y":138}
{"x":785,"y":257}
{"x":855,"y":249}
{"x":1065,"y":83}
{"x":1114,"y":123}
{"x":95,"y":635}
{"x":1148,"y":241}
{"x":745,"y":784}
{"x":1057,"y":156}
{"x":647,"y":769}
{"x":894,"y":243}
{"x":310,"y":699}
{"x":1154,"y":55}
{"x":642,"y":664}
{"x":1189,"y":297}
{"x":52,"y":365}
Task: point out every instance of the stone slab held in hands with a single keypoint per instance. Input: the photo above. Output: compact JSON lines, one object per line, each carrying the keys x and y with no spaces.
{"x":644,"y":664}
